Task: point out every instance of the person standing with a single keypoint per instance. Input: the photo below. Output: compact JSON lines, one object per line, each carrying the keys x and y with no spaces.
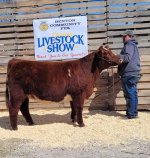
{"x":129,"y":70}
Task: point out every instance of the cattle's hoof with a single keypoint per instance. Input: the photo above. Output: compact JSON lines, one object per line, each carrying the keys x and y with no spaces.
{"x":14,"y":128}
{"x":81,"y":125}
{"x":75,"y":124}
{"x":73,"y":121}
{"x":30,"y":123}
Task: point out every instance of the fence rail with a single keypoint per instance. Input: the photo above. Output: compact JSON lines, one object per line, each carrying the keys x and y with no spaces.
{"x":107,"y":20}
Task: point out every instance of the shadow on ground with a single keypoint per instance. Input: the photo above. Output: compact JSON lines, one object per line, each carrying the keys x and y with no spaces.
{"x":38,"y":120}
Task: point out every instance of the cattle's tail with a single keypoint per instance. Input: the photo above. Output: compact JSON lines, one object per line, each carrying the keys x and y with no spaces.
{"x":7,"y":97}
{"x":7,"y":93}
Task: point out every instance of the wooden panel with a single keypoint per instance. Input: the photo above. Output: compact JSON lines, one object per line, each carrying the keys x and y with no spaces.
{"x":142,"y":100}
{"x":83,"y":11}
{"x":29,"y":3}
{"x":106,"y":23}
{"x":127,"y":8}
{"x":134,"y":19}
{"x":110,"y":2}
{"x":141,"y":107}
{"x":136,"y":32}
{"x":134,"y":26}
{"x":84,"y":4}
{"x":140,"y":13}
{"x":141,"y":93}
{"x":28,"y":10}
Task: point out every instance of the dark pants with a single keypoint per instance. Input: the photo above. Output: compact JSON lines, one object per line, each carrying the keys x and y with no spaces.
{"x":129,"y":85}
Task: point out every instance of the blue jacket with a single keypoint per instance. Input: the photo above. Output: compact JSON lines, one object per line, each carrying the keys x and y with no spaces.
{"x":131,"y":59}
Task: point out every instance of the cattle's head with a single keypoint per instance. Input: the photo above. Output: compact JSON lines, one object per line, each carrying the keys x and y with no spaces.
{"x":106,"y":55}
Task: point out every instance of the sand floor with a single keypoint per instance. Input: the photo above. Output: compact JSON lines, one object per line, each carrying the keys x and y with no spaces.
{"x":54,"y":130}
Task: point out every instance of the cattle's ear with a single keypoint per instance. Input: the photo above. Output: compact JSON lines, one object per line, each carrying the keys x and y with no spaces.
{"x":104,"y":49}
{"x":105,"y":45}
{"x":100,"y":48}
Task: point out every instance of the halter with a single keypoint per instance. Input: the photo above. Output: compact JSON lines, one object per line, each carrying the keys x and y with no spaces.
{"x":108,"y":61}
{"x":99,"y":56}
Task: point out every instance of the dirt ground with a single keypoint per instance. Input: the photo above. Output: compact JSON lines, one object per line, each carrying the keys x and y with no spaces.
{"x":105,"y":135}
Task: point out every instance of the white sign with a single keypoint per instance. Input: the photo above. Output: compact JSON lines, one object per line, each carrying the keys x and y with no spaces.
{"x":60,"y":38}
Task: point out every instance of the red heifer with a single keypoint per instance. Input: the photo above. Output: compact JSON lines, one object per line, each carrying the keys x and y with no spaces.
{"x":52,"y":81}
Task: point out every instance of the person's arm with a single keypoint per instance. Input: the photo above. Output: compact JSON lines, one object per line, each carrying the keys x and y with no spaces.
{"x":129,"y":50}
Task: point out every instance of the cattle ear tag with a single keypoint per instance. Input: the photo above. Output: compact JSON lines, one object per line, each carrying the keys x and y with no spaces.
{"x":69,"y":73}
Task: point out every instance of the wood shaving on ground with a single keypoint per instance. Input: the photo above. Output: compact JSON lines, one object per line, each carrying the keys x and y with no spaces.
{"x":53,"y":128}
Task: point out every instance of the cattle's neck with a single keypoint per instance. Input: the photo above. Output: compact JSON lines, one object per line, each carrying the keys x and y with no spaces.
{"x":95,"y":64}
{"x":99,"y":64}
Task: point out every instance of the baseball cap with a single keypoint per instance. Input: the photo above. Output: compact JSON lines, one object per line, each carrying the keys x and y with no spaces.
{"x":128,"y":32}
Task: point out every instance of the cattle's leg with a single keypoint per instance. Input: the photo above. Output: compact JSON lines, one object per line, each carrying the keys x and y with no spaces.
{"x":13,"y":114}
{"x":13,"y":110}
{"x":79,"y":116}
{"x":73,"y":111}
{"x":14,"y":98}
{"x":78,"y":102}
{"x":25,"y":111}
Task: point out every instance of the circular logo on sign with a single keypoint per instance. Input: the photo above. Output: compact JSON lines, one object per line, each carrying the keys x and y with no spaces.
{"x":43,"y":26}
